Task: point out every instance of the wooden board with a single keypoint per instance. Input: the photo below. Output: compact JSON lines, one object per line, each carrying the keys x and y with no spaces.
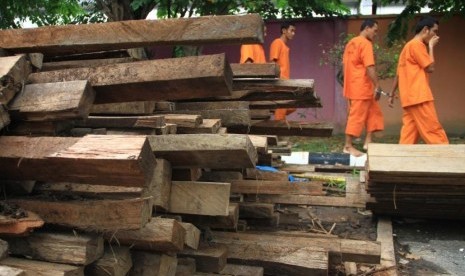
{"x":216,"y":222}
{"x":43,"y":268}
{"x":151,"y":80}
{"x":13,"y":74}
{"x":93,"y":159}
{"x":11,"y":271}
{"x":115,"y":261}
{"x":440,"y":164}
{"x":83,"y":38}
{"x":65,"y":248}
{"x":255,"y":70}
{"x":53,"y":101}
{"x":20,"y":227}
{"x":128,"y":108}
{"x":192,"y":237}
{"x":4,"y":117}
{"x":279,"y":259}
{"x":276,"y":187}
{"x":208,"y":257}
{"x":241,"y":270}
{"x":266,"y":175}
{"x":184,"y":120}
{"x":149,"y":121}
{"x":159,"y":234}
{"x":149,"y":264}
{"x":345,"y":249}
{"x":211,"y":126}
{"x":58,"y":65}
{"x":388,"y":254}
{"x":205,"y":150}
{"x":47,"y":128}
{"x":98,"y":215}
{"x":200,"y":198}
{"x":286,"y":128}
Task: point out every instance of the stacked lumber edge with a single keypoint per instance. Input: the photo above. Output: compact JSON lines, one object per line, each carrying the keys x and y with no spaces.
{"x":425,"y":181}
{"x":96,"y":185}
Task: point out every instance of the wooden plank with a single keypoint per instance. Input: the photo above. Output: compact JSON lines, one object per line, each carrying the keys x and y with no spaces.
{"x":241,"y":270}
{"x":189,"y":174}
{"x":208,"y":126}
{"x":184,"y":120}
{"x":276,"y":187}
{"x":43,"y":268}
{"x":205,"y":150}
{"x":309,"y":200}
{"x":200,"y":198}
{"x":259,"y":142}
{"x":149,"y":264}
{"x":36,"y":59}
{"x":128,"y":108}
{"x":101,"y":215}
{"x":216,"y":222}
{"x":13,"y":187}
{"x":388,"y":254}
{"x":208,"y":258}
{"x":4,"y":117}
{"x":164,"y":106}
{"x":266,"y":175}
{"x":255,"y":70}
{"x":192,"y":237}
{"x":10,"y":271}
{"x":65,"y":248}
{"x":279,"y":259}
{"x":267,"y":105}
{"x":66,"y":64}
{"x":286,"y":128}
{"x":116,"y":261}
{"x":3,"y":250}
{"x":186,"y":267}
{"x":149,"y":121}
{"x":159,"y":234}
{"x":53,"y":101}
{"x":13,"y":74}
{"x":256,"y":210}
{"x":93,"y":159}
{"x":161,"y":189}
{"x":228,"y":116}
{"x":136,"y":33}
{"x":151,"y":80}
{"x":21,"y":226}
{"x":440,"y":163}
{"x":348,"y":250}
{"x":221,"y":176}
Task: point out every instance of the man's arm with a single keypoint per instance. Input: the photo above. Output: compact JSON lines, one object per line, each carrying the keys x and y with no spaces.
{"x":371,"y":72}
{"x":433,"y":41}
{"x":393,"y":95}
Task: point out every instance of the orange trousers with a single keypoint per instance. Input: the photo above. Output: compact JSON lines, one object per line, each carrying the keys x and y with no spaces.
{"x":281,"y":113}
{"x":421,"y":121}
{"x":364,"y":114}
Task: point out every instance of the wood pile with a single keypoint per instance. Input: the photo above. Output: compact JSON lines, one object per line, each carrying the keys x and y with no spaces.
{"x":87,"y":163}
{"x":426,"y":181}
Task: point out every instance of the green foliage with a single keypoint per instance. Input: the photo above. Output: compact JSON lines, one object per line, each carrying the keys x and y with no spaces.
{"x":386,"y":57}
{"x":45,"y":12}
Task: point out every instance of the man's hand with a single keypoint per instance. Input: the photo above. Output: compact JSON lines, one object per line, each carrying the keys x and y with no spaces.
{"x":433,"y":41}
{"x":391,"y":98}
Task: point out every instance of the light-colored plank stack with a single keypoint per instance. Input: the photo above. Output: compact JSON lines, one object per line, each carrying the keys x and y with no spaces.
{"x":425,"y":181}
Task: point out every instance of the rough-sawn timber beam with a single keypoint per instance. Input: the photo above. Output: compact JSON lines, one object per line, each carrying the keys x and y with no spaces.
{"x":151,"y":80}
{"x":86,"y":38}
{"x":214,"y":151}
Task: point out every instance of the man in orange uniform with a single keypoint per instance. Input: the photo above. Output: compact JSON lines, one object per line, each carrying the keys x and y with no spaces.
{"x":279,"y":53}
{"x":360,"y":84}
{"x":253,"y":53}
{"x":416,"y":61}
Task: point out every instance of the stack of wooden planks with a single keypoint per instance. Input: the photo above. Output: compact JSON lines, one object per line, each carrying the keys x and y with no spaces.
{"x":84,"y":161}
{"x":425,"y":181}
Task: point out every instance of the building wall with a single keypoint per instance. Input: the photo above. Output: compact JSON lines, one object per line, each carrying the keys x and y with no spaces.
{"x":313,"y":35}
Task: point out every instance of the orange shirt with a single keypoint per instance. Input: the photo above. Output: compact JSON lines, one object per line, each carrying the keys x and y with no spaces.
{"x":358,"y":55}
{"x":413,"y":80}
{"x":254,"y":52}
{"x":279,"y":52}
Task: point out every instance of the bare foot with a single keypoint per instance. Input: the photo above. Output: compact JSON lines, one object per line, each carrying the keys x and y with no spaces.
{"x":352,"y":151}
{"x":365,"y":147}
